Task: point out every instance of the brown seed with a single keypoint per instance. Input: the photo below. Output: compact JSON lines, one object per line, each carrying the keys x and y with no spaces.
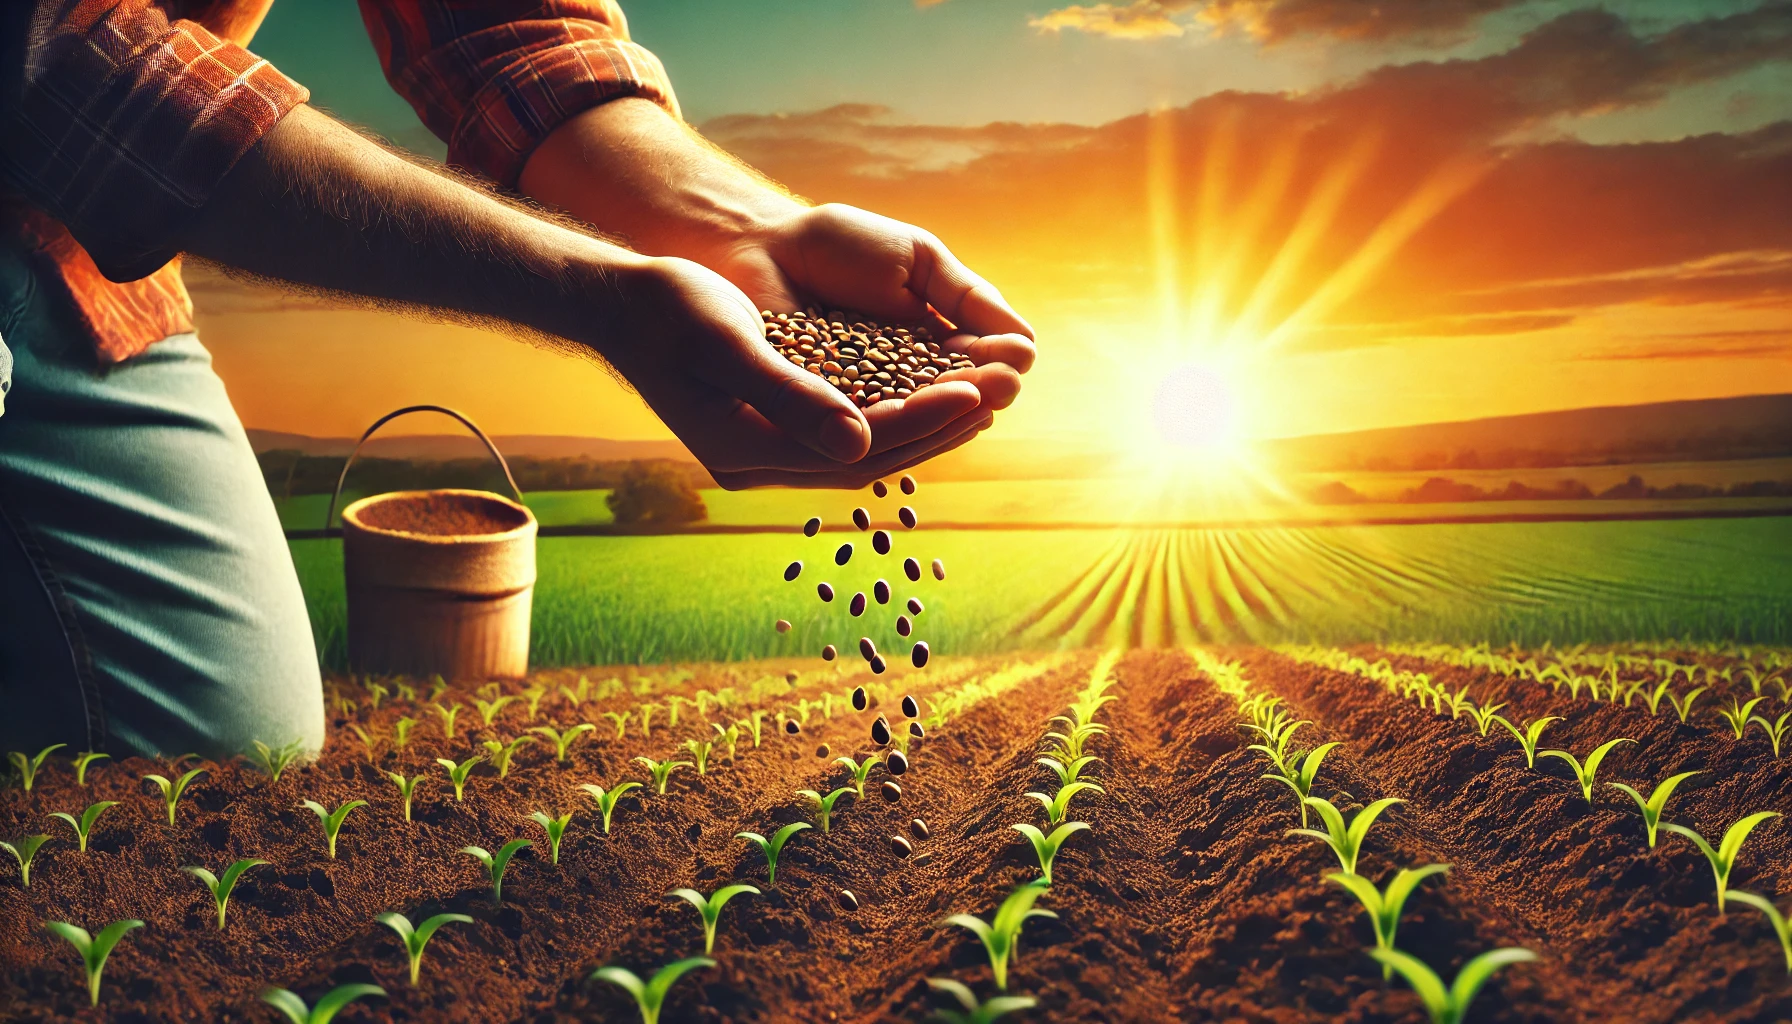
{"x":939,"y":569}
{"x":910,"y":707}
{"x":812,"y":527}
{"x":892,"y":792}
{"x":919,"y":828}
{"x":867,"y":649}
{"x":915,"y":607}
{"x":880,"y":543}
{"x":825,"y":591}
{"x":847,"y":900}
{"x":907,"y":515}
{"x":844,"y":555}
{"x":907,"y":483}
{"x":896,"y":763}
{"x":828,"y":653}
{"x":859,"y":700}
{"x":791,"y":678}
{"x":915,"y":730}
{"x":861,"y":519}
{"x":793,"y":570}
{"x":880,"y":732}
{"x":901,"y":847}
{"x":881,"y":591}
{"x":857,"y":605}
{"x":878,"y":665}
{"x":792,"y":726}
{"x":903,"y":626}
{"x":919,"y":653}
{"x":911,"y":569}
{"x":783,"y":625}
{"x":877,"y":486}
{"x":822,"y":751}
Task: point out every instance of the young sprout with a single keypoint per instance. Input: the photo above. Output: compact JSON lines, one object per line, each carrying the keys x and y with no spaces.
{"x":1345,"y":840}
{"x":974,"y":1011}
{"x":368,"y":741}
{"x":25,"y":852}
{"x":82,"y":761}
{"x":332,"y":820}
{"x":1776,"y":730}
{"x":1484,"y":716}
{"x":773,"y":846}
{"x":94,"y":949}
{"x":1458,"y":702}
{"x":1382,"y":906}
{"x":1069,"y":745}
{"x":414,"y":939}
{"x":1000,"y":936}
{"x":1653,"y":804}
{"x":860,"y":771}
{"x":401,"y":732}
{"x":503,"y":752}
{"x":489,"y":709}
{"x":1447,"y":1006}
{"x":700,"y":754}
{"x":289,"y":1003}
{"x":1781,"y":927}
{"x":1683,"y":705}
{"x":651,"y":994}
{"x":533,"y":697}
{"x":1300,"y":779}
{"x":1584,"y":772}
{"x":824,"y":805}
{"x":646,"y":712}
{"x":275,"y":760}
{"x":563,"y":741}
{"x":620,"y":720}
{"x":555,"y":828}
{"x":171,"y":791}
{"x":28,"y":766}
{"x":1046,"y":847}
{"x":375,"y":694}
{"x":407,"y":788}
{"x":711,"y":908}
{"x":1067,"y":773}
{"x":1737,"y":715}
{"x":729,"y":737}
{"x":662,"y":771}
{"x":221,"y":888}
{"x":447,"y":715}
{"x":1528,"y":737}
{"x":496,"y":863}
{"x":576,"y":695}
{"x":606,"y":798}
{"x":1724,"y":857}
{"x":755,"y":724}
{"x":457,"y":773}
{"x":1057,"y":808}
{"x":83,"y":825}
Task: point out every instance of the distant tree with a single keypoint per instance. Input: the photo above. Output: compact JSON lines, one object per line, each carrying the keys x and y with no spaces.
{"x":655,"y":493}
{"x":1335,"y":492}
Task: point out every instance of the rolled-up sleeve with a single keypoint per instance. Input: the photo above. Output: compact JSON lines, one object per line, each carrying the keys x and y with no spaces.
{"x":492,"y":78}
{"x":120,"y":123}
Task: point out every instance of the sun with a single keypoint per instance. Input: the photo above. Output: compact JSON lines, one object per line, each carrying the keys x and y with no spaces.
{"x":1196,"y":409}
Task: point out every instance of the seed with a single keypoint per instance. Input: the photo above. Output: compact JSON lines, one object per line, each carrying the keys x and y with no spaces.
{"x":907,"y":515}
{"x":825,"y":591}
{"x":907,"y":483}
{"x":903,"y":626}
{"x":939,"y":567}
{"x":857,"y":605}
{"x":812,"y":527}
{"x":910,"y":707}
{"x":847,"y":900}
{"x":918,"y":654}
{"x":859,"y":700}
{"x":892,"y":792}
{"x":822,"y":751}
{"x":844,"y":555}
{"x":914,"y":606}
{"x":880,"y":543}
{"x":878,"y":488}
{"x":896,"y":763}
{"x":880,"y":732}
{"x":901,"y":847}
{"x":881,"y":591}
{"x":878,"y":665}
{"x":791,"y":678}
{"x":828,"y":653}
{"x":792,"y":726}
{"x":793,"y":570}
{"x":915,"y":730}
{"x":861,"y":519}
{"x":911,"y":569}
{"x":867,"y":649}
{"x":783,"y":625}
{"x":919,"y":828}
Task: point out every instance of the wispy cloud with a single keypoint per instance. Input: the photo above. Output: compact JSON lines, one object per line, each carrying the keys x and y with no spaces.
{"x":1272,"y":21}
{"x":1141,"y":19}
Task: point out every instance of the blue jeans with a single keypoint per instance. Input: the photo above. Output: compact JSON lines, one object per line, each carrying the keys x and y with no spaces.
{"x":148,"y":603}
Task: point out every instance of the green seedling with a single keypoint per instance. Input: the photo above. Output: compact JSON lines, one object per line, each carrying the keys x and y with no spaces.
{"x":1001,"y":936}
{"x":1068,"y":746}
{"x":437,"y":687}
{"x":650,"y":995}
{"x":1724,"y":857}
{"x":447,"y":715}
{"x":646,"y":712}
{"x":620,"y":720}
{"x":496,"y":863}
{"x":1383,"y":906}
{"x":729,"y":737}
{"x":401,"y":732}
{"x":82,"y":761}
{"x":755,"y":724}
{"x":1652,"y":806}
{"x":662,"y":771}
{"x":556,"y":830}
{"x":606,"y":798}
{"x":1067,"y":773}
{"x":414,"y":939}
{"x":1057,"y":808}
{"x":1046,"y":847}
{"x":25,"y":852}
{"x":1458,"y":702}
{"x":1780,"y":925}
{"x":221,"y":888}
{"x":1447,"y":1006}
{"x":83,"y":825}
{"x":1345,"y":840}
{"x":1529,"y":735}
{"x":376,"y":694}
{"x":1485,"y":716}
{"x":1683,"y":705}
{"x":700,"y":754}
{"x":532,"y":697}
{"x":1277,"y":751}
{"x":94,"y":949}
{"x":332,"y":820}
{"x":1737,"y":715}
{"x":1301,"y":778}
{"x":576,"y":695}
{"x":1652,"y":696}
{"x":489,"y":709}
{"x":28,"y":766}
{"x":975,"y":1012}
{"x":274,"y":761}
{"x":1583,"y":773}
{"x":458,"y":773}
{"x":501,"y":753}
{"x":1776,"y":730}
{"x":289,"y":1003}
{"x":774,"y":846}
{"x":407,"y":788}
{"x":824,"y":805}
{"x":368,"y":741}
{"x":861,"y":770}
{"x":711,"y":907}
{"x":171,"y":791}
{"x":673,"y":704}
{"x":563,"y":741}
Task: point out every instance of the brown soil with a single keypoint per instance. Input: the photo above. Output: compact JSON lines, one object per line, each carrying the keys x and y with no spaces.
{"x":1187,"y":902}
{"x":441,"y":514}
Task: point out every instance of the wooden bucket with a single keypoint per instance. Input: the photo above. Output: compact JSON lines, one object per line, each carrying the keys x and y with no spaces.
{"x":441,"y":581}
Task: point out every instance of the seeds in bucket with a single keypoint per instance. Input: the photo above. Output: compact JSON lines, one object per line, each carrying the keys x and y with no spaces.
{"x":880,"y":731}
{"x":892,"y":792}
{"x":911,"y":708}
{"x":881,"y":591}
{"x":939,"y":568}
{"x":911,"y":569}
{"x":878,"y":488}
{"x":859,"y":700}
{"x":861,"y":519}
{"x":828,"y":653}
{"x":857,"y":605}
{"x":865,"y":360}
{"x":793,"y":570}
{"x":918,"y":655}
{"x":907,"y":483}
{"x":907,"y":515}
{"x":825,"y":591}
{"x":914,"y":606}
{"x":812,"y":527}
{"x":903,"y":626}
{"x":867,"y":649}
{"x":896,"y":763}
{"x":880,"y":542}
{"x":844,"y":555}
{"x":782,"y":625}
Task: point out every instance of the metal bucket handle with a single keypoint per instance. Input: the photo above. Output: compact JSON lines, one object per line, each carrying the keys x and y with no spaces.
{"x":330,"y":513}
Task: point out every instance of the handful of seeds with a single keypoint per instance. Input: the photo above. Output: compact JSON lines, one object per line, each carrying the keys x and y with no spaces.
{"x":868,"y":361}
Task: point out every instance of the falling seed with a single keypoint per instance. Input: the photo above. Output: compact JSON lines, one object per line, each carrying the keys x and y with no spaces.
{"x":878,"y":665}
{"x":901,"y":847}
{"x":915,"y":730}
{"x":783,"y":625}
{"x":919,"y":828}
{"x":847,"y":900}
{"x":907,"y":515}
{"x":844,"y":555}
{"x":881,"y":591}
{"x":867,"y":649}
{"x":939,"y":567}
{"x":791,"y":678}
{"x":880,"y":542}
{"x":825,"y":591}
{"x":861,"y":519}
{"x":896,"y":763}
{"x":793,"y":570}
{"x":914,"y":606}
{"x":859,"y":700}
{"x":892,"y":792}
{"x":911,"y":569}
{"x":903,"y":626}
{"x":822,"y":751}
{"x":812,"y":527}
{"x":828,"y":653}
{"x":919,"y":654}
{"x":910,"y":707}
{"x":792,"y":726}
{"x":878,"y":488}
{"x":907,"y":483}
{"x":857,"y":605}
{"x":880,"y":732}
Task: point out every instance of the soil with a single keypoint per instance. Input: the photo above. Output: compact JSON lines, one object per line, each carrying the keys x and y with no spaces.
{"x":442,"y":514}
{"x":1187,"y":903}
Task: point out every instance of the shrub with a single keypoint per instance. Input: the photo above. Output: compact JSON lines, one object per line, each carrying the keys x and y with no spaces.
{"x":1447,"y":1006}
{"x":1002,"y":935}
{"x":1652,"y":806}
{"x":25,"y":852}
{"x":221,"y":888}
{"x":495,"y":863}
{"x":774,"y":846}
{"x":1046,"y":847}
{"x":1345,"y":841}
{"x":710,"y":907}
{"x":414,"y":939}
{"x":83,"y":825}
{"x":1723,"y":859}
{"x":655,"y":492}
{"x":607,"y":798}
{"x":651,"y":994}
{"x":1383,"y":906}
{"x":94,"y":949}
{"x":332,"y":820}
{"x":289,"y":1003}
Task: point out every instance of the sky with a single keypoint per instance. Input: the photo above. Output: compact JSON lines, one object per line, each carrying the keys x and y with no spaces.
{"x":1335,"y":214}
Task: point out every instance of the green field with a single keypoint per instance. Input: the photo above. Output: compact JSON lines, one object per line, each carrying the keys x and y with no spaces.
{"x":656,"y":599}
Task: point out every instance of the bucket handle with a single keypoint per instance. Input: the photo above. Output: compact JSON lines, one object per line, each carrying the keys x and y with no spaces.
{"x":330,"y":513}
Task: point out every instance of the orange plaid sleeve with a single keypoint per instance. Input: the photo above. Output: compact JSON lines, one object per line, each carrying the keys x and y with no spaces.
{"x":493,"y":77}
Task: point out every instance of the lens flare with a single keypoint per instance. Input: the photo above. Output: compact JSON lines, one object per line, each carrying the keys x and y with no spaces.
{"x":1195,"y":408}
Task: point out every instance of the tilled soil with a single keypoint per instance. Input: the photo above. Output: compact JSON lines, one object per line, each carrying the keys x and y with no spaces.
{"x":1186,"y":902}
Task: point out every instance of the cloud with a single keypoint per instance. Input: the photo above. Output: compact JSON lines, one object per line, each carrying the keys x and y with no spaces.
{"x":1141,"y":19}
{"x":1273,"y":21}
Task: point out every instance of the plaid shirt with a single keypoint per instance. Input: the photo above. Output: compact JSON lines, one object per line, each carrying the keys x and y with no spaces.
{"x":120,"y":117}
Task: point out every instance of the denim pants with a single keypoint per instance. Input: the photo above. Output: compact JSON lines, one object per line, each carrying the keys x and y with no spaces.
{"x":148,"y":602}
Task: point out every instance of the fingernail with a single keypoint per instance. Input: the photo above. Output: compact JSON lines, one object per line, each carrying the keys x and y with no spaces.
{"x":844,"y":437}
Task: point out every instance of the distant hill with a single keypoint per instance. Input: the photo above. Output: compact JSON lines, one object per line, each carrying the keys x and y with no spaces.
{"x":441,"y":447}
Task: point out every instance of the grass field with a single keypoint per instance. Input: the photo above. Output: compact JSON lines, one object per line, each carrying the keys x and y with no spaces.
{"x":656,"y":599}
